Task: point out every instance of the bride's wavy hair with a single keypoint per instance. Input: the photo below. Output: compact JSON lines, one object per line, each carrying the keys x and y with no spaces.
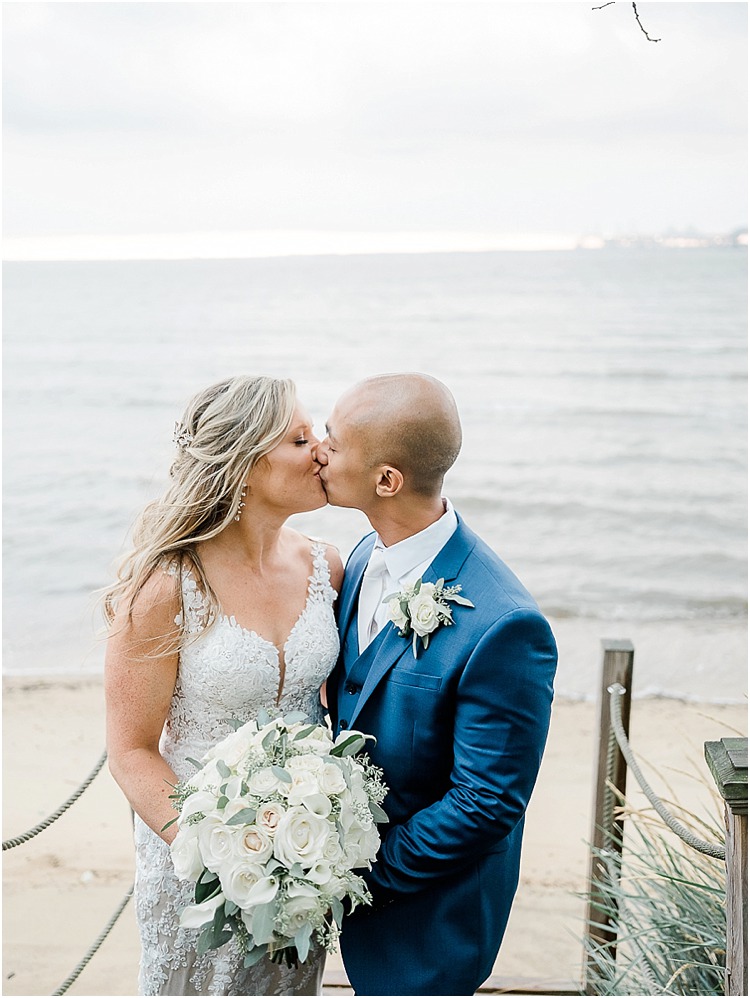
{"x":225,"y":431}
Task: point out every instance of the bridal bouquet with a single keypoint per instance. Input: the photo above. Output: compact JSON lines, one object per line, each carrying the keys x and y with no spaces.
{"x":270,"y":829}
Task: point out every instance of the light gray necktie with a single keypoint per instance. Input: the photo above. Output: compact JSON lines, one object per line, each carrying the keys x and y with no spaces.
{"x":370,"y":597}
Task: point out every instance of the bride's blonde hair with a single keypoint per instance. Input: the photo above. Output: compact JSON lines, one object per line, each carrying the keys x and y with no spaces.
{"x":225,"y":431}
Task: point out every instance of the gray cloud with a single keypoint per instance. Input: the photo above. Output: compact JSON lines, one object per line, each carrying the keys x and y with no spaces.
{"x":173,"y":116}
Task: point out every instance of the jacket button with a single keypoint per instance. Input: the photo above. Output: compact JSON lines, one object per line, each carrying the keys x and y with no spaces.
{"x":343,"y":724}
{"x":351,"y":688}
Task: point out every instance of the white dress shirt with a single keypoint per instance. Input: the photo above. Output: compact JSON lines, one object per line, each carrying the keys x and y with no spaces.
{"x":405,"y":562}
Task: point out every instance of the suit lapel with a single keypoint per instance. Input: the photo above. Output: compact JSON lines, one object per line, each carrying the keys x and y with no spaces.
{"x":447,"y":565}
{"x":355,"y":569}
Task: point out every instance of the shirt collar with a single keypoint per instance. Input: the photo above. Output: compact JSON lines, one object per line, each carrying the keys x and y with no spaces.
{"x":403,"y":558}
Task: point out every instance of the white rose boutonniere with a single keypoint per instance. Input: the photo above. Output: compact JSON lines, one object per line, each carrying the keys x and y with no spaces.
{"x":422,"y":607}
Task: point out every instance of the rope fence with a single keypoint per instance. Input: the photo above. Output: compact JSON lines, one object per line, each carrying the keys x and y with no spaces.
{"x":73,"y":976}
{"x":616,"y":692}
{"x":32,"y":832}
{"x":20,"y":839}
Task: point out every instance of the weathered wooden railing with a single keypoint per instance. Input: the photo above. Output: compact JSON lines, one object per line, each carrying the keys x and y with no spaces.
{"x":607,"y":822}
{"x":727,"y":760}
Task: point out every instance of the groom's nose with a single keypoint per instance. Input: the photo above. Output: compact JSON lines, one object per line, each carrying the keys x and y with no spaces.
{"x":320,"y":451}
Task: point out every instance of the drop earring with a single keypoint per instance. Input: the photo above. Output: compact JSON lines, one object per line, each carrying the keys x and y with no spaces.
{"x":243,"y":496}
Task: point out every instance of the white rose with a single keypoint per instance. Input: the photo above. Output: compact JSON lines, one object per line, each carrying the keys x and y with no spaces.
{"x":332,"y":850}
{"x":304,"y":764}
{"x":362,"y":845}
{"x":299,"y":911}
{"x":263,"y":782}
{"x":331,"y":780}
{"x":216,"y":842}
{"x":206,"y":777}
{"x":235,"y":748}
{"x":300,"y":838}
{"x":396,"y":614}
{"x":186,"y":855}
{"x":269,"y":816}
{"x":357,"y":777}
{"x":254,"y":844}
{"x":247,"y":885}
{"x":318,"y":741}
{"x":424,"y":611}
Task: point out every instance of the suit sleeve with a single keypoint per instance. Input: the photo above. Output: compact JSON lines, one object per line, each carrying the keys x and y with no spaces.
{"x":502,"y":713}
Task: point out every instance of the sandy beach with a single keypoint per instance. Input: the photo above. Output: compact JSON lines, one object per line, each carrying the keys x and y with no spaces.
{"x":60,"y":888}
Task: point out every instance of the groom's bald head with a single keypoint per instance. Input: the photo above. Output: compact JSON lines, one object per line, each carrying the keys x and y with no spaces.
{"x":409,"y":421}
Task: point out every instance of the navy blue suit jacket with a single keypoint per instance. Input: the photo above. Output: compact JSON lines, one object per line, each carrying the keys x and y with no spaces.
{"x":460,"y":733}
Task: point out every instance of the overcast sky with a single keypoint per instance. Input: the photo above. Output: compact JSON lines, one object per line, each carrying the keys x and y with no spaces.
{"x":137,"y":118}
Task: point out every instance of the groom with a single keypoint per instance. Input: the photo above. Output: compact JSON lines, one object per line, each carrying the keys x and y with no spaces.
{"x":460,"y":726}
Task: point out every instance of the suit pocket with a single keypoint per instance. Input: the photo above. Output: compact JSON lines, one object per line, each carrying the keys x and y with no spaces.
{"x":402,"y":677}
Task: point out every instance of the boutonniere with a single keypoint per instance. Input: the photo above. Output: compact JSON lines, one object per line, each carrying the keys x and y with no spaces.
{"x":422,"y":607}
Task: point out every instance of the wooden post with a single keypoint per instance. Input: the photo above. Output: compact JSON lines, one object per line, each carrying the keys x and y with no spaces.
{"x":727,"y":761}
{"x":607,"y":827}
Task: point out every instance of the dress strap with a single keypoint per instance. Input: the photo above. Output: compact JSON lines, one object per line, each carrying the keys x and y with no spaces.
{"x":320,"y":580}
{"x":194,"y":614}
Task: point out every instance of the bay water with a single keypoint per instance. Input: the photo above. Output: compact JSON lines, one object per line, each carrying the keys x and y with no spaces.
{"x":602,"y":393}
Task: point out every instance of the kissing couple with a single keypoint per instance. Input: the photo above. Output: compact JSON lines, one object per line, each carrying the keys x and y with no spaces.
{"x":221,"y":611}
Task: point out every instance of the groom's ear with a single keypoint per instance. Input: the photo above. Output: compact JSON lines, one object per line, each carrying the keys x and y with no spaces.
{"x":390,"y":481}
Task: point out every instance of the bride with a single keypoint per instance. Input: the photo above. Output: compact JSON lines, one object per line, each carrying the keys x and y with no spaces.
{"x":218,"y":611}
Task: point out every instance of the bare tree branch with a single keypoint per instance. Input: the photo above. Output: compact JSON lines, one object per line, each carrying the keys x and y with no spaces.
{"x":635,"y":11}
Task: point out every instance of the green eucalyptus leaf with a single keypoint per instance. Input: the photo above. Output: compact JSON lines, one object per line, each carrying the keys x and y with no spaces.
{"x":295,"y":717}
{"x":378,"y":813}
{"x":302,"y":941}
{"x":304,"y":732}
{"x":337,"y":909}
{"x":269,"y":738}
{"x":253,"y":955}
{"x":263,"y":922}
{"x":244,"y":817}
{"x":264,"y":717}
{"x":349,"y":746}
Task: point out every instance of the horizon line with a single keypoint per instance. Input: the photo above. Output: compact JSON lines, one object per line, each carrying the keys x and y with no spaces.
{"x":263,"y":244}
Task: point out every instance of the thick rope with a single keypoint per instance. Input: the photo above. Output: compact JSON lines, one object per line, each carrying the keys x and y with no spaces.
{"x":710,"y":849}
{"x":608,"y":802}
{"x":20,"y":839}
{"x":95,"y":946}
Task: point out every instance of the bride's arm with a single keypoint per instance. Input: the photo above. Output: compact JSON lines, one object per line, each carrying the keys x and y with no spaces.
{"x":139,"y":683}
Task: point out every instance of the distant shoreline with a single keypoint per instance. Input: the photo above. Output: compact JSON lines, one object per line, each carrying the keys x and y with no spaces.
{"x":174,"y":247}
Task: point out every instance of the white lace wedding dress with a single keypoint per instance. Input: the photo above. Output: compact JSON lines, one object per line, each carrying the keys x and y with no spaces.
{"x":226,"y":672}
